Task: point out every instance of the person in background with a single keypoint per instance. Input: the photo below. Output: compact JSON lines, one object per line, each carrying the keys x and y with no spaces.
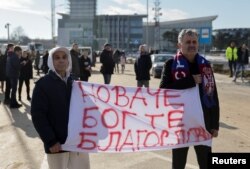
{"x":2,"y":70}
{"x":242,"y":60}
{"x":108,"y":64}
{"x":74,"y":52}
{"x":37,"y":63}
{"x":116,"y":58}
{"x":9,"y":49}
{"x":123,"y":61}
{"x":142,"y":67}
{"x":45,"y":67}
{"x":94,"y":56}
{"x":12,"y":72}
{"x":186,"y":70}
{"x":231,"y":55}
{"x":50,"y":111}
{"x":25,"y":75}
{"x":85,"y":66}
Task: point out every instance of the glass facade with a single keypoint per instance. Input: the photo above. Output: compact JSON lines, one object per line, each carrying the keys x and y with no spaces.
{"x":122,"y":31}
{"x":78,"y":25}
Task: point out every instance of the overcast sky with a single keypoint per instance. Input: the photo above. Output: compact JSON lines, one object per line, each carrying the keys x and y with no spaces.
{"x":34,"y":15}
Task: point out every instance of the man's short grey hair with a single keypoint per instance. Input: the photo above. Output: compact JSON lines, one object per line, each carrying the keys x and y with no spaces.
{"x":189,"y":32}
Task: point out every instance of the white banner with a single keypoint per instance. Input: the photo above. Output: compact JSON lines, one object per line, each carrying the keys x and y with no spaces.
{"x":105,"y":118}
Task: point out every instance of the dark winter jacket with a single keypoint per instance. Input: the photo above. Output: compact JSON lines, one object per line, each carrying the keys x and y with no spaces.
{"x":13,"y":65}
{"x":50,"y":109}
{"x":211,"y":115}
{"x":75,"y":63}
{"x":117,"y":56}
{"x":45,"y":66}
{"x":26,"y":70}
{"x":107,"y":61}
{"x":84,"y":63}
{"x":142,"y":67}
{"x":242,"y":57}
{"x":2,"y":67}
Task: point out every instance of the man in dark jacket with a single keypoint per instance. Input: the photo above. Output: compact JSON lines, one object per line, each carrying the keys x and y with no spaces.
{"x":50,"y":111}
{"x":242,"y":60}
{"x":75,"y":60}
{"x":142,"y":67}
{"x":45,"y":67}
{"x":85,"y":66}
{"x":12,"y":72}
{"x":108,"y":64}
{"x":2,"y":70}
{"x":26,"y":73}
{"x":187,"y":70}
{"x":9,"y":48}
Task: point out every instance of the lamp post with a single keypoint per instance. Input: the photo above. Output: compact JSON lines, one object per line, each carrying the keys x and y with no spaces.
{"x":53,"y":22}
{"x":157,"y":23}
{"x":7,"y":26}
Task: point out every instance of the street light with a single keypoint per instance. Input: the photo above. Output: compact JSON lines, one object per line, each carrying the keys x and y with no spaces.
{"x":53,"y":22}
{"x":7,"y":26}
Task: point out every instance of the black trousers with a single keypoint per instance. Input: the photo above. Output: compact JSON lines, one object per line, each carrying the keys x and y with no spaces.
{"x":179,"y":156}
{"x":27,"y":83}
{"x":84,"y":78}
{"x":13,"y":83}
{"x":7,"y":89}
{"x":232,"y":67}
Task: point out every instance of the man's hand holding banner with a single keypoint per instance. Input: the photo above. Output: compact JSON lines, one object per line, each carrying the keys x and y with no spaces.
{"x":105,"y":118}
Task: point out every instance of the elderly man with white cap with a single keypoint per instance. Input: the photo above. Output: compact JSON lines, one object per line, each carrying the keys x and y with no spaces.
{"x":50,"y":111}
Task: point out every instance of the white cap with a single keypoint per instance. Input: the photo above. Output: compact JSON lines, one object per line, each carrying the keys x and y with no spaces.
{"x":57,"y":49}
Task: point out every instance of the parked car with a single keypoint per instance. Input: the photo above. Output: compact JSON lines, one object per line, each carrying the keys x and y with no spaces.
{"x":158,"y":61}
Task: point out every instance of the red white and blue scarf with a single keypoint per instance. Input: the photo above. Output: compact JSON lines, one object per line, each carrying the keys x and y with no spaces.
{"x":180,"y":69}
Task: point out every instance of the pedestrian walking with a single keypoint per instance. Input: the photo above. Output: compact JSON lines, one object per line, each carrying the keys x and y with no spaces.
{"x":108,"y":64}
{"x":142,"y":67}
{"x":26,"y":74}
{"x":74,"y":52}
{"x":116,"y":58}
{"x":242,"y":60}
{"x":2,"y":70}
{"x":123,"y":61}
{"x":12,"y":72}
{"x":231,"y":55}
{"x":45,"y":67}
{"x":37,"y":63}
{"x":9,"y":49}
{"x":85,"y":66}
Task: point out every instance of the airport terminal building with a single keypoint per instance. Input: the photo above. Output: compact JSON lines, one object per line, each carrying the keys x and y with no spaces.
{"x":155,"y":39}
{"x":83,"y":26}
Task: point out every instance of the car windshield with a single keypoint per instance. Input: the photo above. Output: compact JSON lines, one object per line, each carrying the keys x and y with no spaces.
{"x":162,"y":58}
{"x":39,"y":46}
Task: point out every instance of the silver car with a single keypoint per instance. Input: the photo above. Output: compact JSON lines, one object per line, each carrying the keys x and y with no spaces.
{"x":158,"y":61}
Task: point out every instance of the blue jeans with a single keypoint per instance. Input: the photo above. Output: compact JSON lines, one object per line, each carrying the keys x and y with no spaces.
{"x":107,"y":78}
{"x":240,"y":67}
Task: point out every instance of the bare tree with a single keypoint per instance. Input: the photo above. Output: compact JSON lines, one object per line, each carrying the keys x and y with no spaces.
{"x":18,"y":34}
